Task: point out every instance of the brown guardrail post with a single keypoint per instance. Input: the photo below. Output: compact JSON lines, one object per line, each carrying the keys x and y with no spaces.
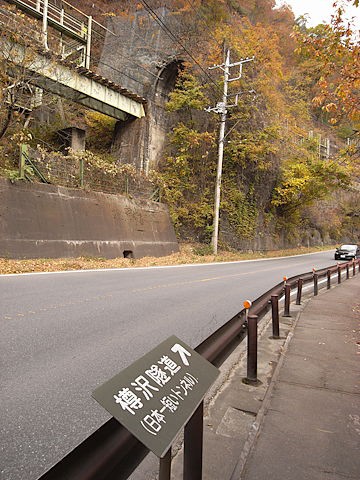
{"x":275,"y":316}
{"x":251,"y":373}
{"x":328,"y":277}
{"x":114,"y":444}
{"x":316,"y":288}
{"x":165,"y":466}
{"x":354,"y":268}
{"x":339,"y":273}
{"x":347,"y":271}
{"x":299,"y":291}
{"x":287,"y":301}
{"x":193,"y":445}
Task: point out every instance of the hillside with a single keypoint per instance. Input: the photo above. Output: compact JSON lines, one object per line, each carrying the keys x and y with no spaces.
{"x":291,"y":161}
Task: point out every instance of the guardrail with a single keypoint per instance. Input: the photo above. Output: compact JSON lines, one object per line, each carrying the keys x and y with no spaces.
{"x":113,"y":452}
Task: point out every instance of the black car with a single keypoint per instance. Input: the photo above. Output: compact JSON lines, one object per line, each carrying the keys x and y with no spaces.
{"x":347,"y":252}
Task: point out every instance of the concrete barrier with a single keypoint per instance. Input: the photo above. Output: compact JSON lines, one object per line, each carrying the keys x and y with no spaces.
{"x":49,"y":221}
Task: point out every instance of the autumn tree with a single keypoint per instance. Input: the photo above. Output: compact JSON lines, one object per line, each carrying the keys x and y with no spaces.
{"x":270,"y":170}
{"x":16,"y":82}
{"x":306,"y":178}
{"x":336,"y":51}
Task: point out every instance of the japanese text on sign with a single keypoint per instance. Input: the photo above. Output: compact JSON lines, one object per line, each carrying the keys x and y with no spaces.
{"x":153,"y":380}
{"x":155,"y":396}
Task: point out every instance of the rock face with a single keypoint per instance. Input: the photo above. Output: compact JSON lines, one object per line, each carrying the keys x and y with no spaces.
{"x":48,"y":221}
{"x":141,"y":57}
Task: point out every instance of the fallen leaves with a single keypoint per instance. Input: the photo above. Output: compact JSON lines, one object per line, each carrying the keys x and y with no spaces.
{"x":186,"y":255}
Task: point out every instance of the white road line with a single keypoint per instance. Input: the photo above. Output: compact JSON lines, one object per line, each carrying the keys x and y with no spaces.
{"x":159,"y":267}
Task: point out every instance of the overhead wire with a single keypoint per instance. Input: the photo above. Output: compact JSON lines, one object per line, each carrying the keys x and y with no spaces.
{"x":199,"y":14}
{"x":100,"y":62}
{"x":135,"y":32}
{"x":174,"y":38}
{"x":133,"y":62}
{"x":168,"y":31}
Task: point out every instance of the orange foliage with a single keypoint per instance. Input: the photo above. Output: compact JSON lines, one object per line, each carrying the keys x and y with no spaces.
{"x":336,"y":51}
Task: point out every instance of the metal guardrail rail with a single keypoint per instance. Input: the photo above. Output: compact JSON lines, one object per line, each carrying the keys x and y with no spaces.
{"x":113,"y":452}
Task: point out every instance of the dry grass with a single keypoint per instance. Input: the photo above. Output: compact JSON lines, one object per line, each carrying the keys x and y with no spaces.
{"x":188,"y":254}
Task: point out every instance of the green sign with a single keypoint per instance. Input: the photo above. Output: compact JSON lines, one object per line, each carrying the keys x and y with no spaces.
{"x":156,"y":396}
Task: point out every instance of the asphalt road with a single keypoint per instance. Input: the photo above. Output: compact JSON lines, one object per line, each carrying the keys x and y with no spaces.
{"x":64,"y":334}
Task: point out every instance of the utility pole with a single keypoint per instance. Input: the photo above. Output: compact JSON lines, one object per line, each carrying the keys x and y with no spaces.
{"x":221,"y":107}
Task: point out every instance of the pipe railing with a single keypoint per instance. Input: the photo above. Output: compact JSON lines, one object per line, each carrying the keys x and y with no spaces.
{"x":113,"y":452}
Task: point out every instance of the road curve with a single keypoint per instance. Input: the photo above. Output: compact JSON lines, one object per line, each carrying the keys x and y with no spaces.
{"x":63,"y":334}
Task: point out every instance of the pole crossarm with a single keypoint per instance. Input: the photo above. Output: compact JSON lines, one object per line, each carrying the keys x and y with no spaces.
{"x":240,"y":65}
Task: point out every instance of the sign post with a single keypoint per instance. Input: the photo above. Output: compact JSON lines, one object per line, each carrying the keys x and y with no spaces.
{"x":157,"y":395}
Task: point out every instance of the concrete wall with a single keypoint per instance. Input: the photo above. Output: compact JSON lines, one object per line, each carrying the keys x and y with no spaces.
{"x":139,"y":40}
{"x":48,"y":221}
{"x":136,"y":55}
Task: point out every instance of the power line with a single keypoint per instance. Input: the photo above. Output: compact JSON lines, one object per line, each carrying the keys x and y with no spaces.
{"x":133,"y":62}
{"x":132,"y":29}
{"x":173,"y":36}
{"x":100,"y":62}
{"x":169,"y":33}
{"x":199,"y":14}
{"x":121,"y":72}
{"x":222,"y":108}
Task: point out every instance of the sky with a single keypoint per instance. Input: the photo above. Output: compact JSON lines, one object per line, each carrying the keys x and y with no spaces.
{"x":319,"y":10}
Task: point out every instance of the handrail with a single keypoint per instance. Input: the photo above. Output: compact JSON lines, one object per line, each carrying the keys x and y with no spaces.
{"x":112,"y":451}
{"x":35,"y":168}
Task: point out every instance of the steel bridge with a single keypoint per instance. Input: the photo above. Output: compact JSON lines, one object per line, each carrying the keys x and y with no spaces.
{"x":60,"y":39}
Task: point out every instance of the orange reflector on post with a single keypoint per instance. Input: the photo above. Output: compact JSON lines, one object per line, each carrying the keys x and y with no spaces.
{"x":247,"y":304}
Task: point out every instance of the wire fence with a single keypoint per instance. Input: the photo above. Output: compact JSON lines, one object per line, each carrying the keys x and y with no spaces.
{"x":87,"y":171}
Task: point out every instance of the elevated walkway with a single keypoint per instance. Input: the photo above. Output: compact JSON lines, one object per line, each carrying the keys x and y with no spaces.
{"x":52,"y":50}
{"x":75,"y":83}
